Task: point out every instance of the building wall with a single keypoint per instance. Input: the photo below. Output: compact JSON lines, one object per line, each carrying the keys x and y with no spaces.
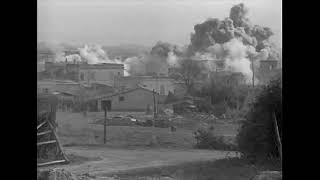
{"x":160,"y":85}
{"x":136,"y":100}
{"x":127,"y":82}
{"x":51,"y":86}
{"x":105,"y":76}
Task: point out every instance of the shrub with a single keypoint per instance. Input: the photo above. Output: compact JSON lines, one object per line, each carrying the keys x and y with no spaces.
{"x":219,"y":109}
{"x":257,"y":136}
{"x":207,"y":140}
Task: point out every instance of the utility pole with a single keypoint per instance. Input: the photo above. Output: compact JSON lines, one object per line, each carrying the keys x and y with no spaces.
{"x":252,"y":73}
{"x":105,"y":125}
{"x":154,"y":108}
{"x":154,"y":118}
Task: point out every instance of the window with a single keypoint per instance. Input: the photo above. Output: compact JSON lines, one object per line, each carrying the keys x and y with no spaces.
{"x":121,"y":98}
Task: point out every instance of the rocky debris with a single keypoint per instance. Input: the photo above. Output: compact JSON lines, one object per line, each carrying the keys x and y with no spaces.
{"x":55,"y":174}
{"x":268,"y":175}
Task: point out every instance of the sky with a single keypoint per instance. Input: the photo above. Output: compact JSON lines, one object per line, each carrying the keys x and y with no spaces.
{"x":143,"y":22}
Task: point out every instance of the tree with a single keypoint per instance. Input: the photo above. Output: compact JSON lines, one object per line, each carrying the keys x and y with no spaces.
{"x":227,"y":91}
{"x":257,"y":135}
{"x":188,"y":73}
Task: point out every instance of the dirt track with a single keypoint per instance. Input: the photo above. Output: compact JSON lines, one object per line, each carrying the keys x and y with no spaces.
{"x":123,"y":159}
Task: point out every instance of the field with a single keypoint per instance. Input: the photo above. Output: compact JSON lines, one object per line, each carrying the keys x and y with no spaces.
{"x":130,"y":154}
{"x":76,"y":130}
{"x":223,"y":169}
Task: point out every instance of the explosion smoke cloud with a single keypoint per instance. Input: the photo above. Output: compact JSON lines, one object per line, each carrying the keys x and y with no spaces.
{"x":93,"y":54}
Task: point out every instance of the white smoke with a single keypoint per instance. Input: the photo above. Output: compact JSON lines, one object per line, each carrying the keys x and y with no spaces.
{"x":73,"y":58}
{"x":94,"y":54}
{"x":237,"y":59}
{"x":135,"y":65}
{"x":172,"y":59}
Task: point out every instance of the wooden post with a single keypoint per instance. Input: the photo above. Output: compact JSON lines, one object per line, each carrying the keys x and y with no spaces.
{"x":278,"y":135}
{"x":105,"y":126}
{"x":252,"y":73}
{"x":154,"y":108}
{"x":154,"y":117}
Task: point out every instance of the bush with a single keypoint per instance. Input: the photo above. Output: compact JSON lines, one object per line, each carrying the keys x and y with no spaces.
{"x":219,"y":109}
{"x":204,"y":106}
{"x":207,"y":140}
{"x":257,"y":136}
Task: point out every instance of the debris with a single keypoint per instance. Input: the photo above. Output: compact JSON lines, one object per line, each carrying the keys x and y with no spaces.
{"x":56,"y":174}
{"x":268,"y":175}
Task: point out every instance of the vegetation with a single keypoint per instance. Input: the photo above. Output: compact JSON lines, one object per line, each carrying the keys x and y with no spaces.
{"x":187,"y":73}
{"x":224,"y":169}
{"x":257,"y":136}
{"x":207,"y":140}
{"x":227,"y":92}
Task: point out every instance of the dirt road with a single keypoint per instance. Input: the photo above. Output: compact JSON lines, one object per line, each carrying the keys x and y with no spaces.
{"x":113,"y":160}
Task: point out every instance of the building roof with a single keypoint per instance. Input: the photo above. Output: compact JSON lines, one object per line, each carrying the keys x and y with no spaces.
{"x":102,"y":66}
{"x":146,"y":77}
{"x":127,"y":91}
{"x":57,"y":81}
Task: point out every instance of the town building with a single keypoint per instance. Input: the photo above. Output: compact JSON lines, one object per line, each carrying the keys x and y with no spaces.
{"x":50,"y":86}
{"x":104,"y":73}
{"x":138,"y":99}
{"x":161,"y":84}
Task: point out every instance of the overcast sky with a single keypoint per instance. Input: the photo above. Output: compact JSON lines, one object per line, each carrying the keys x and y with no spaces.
{"x":144,"y":22}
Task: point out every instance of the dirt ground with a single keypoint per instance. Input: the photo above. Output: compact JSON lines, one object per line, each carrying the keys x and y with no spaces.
{"x":128,"y":147}
{"x":108,"y":160}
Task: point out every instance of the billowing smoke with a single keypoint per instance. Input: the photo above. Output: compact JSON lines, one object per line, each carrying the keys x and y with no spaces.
{"x":237,"y":57}
{"x":162,"y":56}
{"x":94,"y":54}
{"x":172,"y":59}
{"x":233,"y":41}
{"x":135,"y":66}
{"x":73,"y":58}
{"x":237,"y":25}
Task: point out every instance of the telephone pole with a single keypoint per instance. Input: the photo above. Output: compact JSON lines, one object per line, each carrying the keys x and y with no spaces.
{"x":154,"y":139}
{"x":154,"y":108}
{"x":252,"y":73}
{"x":105,"y":125}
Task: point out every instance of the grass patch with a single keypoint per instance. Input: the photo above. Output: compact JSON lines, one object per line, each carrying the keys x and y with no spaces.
{"x":225,"y":169}
{"x":126,"y":136}
{"x":76,"y":159}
